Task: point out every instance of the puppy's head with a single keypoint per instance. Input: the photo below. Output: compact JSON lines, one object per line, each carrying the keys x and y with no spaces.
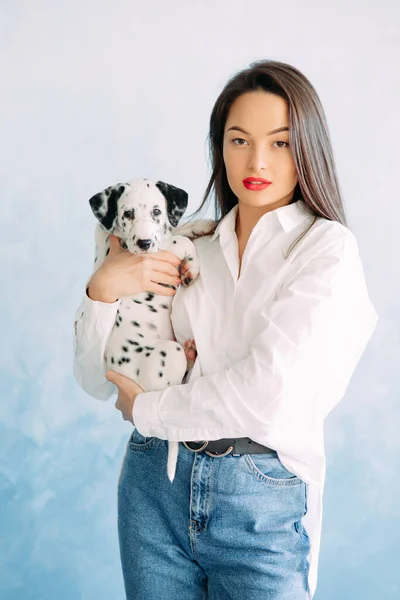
{"x":139,"y":212}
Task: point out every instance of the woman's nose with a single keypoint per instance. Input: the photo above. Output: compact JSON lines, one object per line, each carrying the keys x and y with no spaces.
{"x":258,"y":160}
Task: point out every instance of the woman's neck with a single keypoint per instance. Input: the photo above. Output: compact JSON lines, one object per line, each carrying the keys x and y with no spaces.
{"x":246,"y":219}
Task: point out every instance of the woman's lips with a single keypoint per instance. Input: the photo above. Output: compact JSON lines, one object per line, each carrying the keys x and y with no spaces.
{"x":250,"y":183}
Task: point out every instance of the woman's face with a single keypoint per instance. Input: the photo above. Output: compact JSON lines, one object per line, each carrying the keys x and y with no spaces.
{"x":251,"y":150}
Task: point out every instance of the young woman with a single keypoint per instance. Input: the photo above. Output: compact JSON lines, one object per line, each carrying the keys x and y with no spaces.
{"x":280,"y":317}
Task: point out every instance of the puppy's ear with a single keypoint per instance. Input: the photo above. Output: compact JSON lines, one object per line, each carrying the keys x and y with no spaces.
{"x":176,"y":199}
{"x":104,"y":205}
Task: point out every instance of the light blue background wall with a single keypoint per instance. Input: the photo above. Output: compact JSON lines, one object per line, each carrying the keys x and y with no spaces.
{"x":95,"y":92}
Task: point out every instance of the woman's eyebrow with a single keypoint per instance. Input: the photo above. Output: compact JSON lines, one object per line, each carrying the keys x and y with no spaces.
{"x":277,"y":130}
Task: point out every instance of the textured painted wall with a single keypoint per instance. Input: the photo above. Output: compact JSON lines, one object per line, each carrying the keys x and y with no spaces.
{"x":97,"y":92}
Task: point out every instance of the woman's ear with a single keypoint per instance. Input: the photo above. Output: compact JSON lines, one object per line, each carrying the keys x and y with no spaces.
{"x":176,"y":200}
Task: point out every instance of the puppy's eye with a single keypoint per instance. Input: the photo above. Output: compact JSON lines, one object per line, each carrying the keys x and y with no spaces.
{"x":129,"y":214}
{"x":157,"y":212}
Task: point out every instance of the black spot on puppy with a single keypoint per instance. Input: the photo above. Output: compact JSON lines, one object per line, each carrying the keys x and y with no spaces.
{"x":163,"y":363}
{"x":163,"y":353}
{"x":135,"y":323}
{"x":149,"y":297}
{"x":152,"y":309}
{"x":139,"y":349}
{"x":112,"y":360}
{"x":160,"y":374}
{"x":137,"y":372}
{"x":164,"y":306}
{"x":133,"y":342}
{"x":107,"y":253}
{"x":151,"y":326}
{"x":178,"y":348}
{"x":138,"y":301}
{"x":124,"y":360}
{"x":124,"y":348}
{"x":174,"y":242}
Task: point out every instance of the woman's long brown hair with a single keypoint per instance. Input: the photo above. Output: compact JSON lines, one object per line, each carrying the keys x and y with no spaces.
{"x":309,"y":139}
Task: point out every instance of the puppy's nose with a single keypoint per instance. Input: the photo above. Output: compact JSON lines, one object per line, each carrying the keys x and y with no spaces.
{"x":144,"y":244}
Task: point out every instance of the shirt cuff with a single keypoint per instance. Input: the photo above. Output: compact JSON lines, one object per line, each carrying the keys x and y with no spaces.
{"x":145,"y":415}
{"x":100,"y":313}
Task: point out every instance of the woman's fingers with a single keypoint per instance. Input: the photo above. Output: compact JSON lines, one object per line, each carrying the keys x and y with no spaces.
{"x":163,"y":266}
{"x":160,"y":289}
{"x":166,"y":279}
{"x":128,"y":273}
{"x":166,"y":256}
{"x":120,"y":380}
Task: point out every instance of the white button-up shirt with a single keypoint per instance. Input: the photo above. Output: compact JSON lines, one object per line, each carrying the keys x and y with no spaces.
{"x":276,"y":347}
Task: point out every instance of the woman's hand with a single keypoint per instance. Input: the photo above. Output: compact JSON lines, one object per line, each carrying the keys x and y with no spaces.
{"x":129,"y":389}
{"x":126,"y":274}
{"x":127,"y":392}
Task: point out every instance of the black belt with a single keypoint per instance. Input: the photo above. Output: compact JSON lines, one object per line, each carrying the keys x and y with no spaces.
{"x":219,"y":448}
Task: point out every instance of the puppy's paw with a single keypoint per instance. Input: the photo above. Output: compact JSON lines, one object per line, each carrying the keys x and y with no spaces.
{"x":191,"y":353}
{"x":189,"y":271}
{"x":195,"y":229}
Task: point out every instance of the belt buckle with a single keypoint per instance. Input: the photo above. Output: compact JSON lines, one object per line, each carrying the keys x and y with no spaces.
{"x":204,"y":445}
{"x":196,"y":449}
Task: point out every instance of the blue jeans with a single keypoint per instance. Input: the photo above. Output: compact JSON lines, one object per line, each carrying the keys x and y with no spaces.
{"x":226,"y":529}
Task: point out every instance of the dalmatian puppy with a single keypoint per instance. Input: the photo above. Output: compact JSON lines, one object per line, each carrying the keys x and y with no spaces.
{"x":145,"y":214}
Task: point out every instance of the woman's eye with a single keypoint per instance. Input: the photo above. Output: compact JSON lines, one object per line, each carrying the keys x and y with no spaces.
{"x":238,"y":140}
{"x":157,"y":212}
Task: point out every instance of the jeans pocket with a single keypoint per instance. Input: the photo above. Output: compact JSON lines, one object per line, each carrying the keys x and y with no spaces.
{"x":269,"y":469}
{"x":301,"y":530}
{"x":139,"y":442}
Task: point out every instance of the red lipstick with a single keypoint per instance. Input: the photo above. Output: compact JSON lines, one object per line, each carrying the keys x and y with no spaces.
{"x":250,"y":183}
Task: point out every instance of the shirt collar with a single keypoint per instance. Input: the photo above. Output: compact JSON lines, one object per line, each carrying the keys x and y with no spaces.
{"x":287,"y":216}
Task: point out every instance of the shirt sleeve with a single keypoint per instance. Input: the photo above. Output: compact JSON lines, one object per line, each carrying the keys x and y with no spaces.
{"x":93,"y":324}
{"x":308,"y":344}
